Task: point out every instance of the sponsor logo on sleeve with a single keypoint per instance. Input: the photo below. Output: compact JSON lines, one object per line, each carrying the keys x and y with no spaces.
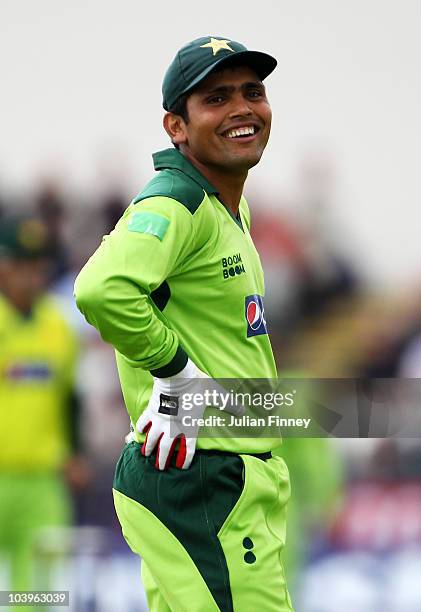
{"x":255,"y":316}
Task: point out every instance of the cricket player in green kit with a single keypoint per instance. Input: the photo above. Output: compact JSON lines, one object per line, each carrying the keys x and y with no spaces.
{"x":177,"y":288}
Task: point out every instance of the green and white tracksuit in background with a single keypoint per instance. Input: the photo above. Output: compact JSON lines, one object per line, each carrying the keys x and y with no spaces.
{"x":180,"y":277}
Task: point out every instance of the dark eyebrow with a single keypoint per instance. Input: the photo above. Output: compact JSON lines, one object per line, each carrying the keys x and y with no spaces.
{"x":230,"y":88}
{"x":252,"y":84}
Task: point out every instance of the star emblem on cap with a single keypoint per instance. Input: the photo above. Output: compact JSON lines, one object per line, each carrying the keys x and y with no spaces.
{"x":216,"y":45}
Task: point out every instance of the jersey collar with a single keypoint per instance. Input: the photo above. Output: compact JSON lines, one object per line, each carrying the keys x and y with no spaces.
{"x":172,"y":158}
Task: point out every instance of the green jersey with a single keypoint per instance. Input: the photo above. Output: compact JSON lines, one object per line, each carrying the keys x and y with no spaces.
{"x":179,"y":277}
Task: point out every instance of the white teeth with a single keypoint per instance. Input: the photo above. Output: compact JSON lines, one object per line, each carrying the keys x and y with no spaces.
{"x":244,"y":131}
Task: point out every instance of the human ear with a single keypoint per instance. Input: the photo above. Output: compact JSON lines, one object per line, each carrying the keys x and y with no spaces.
{"x":175,"y":127}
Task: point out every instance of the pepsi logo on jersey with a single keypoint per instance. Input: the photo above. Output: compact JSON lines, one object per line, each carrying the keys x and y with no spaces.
{"x":255,"y":316}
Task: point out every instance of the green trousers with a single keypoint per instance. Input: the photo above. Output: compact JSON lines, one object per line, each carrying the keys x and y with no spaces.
{"x":210,"y":537}
{"x":29,"y":502}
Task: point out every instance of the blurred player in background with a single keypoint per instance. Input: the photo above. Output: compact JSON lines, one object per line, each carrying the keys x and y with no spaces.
{"x":38,"y":407}
{"x":177,"y":288}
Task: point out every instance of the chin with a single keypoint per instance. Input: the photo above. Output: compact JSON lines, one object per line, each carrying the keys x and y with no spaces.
{"x":254,"y":161}
{"x":245,"y":162}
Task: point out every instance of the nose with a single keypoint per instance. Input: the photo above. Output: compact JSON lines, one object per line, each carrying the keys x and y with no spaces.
{"x":240,"y":107}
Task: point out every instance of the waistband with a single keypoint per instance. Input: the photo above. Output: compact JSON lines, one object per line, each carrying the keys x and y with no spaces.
{"x":212,"y":451}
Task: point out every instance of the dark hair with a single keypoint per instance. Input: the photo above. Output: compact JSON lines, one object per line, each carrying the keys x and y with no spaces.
{"x":180,"y":108}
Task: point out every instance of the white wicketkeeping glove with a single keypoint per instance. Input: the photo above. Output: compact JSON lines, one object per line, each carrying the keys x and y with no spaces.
{"x":162,"y":418}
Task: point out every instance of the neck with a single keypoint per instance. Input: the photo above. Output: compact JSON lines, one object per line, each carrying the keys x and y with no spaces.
{"x":19,"y":303}
{"x":229,"y":184}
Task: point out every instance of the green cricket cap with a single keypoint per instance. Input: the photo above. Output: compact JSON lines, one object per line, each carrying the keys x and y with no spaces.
{"x":23,"y":238}
{"x":200,"y":57}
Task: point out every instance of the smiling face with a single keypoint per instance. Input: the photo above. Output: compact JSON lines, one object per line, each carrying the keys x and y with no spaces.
{"x":229,"y":121}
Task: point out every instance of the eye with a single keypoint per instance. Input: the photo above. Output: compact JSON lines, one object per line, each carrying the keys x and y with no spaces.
{"x":217,"y":99}
{"x":255,"y":93}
